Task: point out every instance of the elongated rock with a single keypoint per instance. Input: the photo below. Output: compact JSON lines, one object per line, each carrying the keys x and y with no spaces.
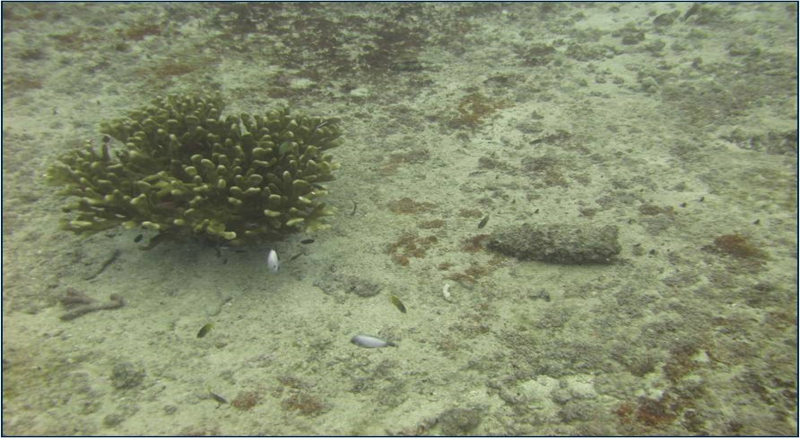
{"x":558,"y":243}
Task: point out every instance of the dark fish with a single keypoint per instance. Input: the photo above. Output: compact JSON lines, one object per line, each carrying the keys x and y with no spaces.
{"x":307,"y":241}
{"x":397,"y":303}
{"x":205,"y":329}
{"x":138,"y":238}
{"x":333,"y":120}
{"x":218,"y":398}
{"x":319,"y":126}
{"x":483,"y":222}
{"x":154,"y":242}
{"x":296,"y":256}
{"x":105,"y":264}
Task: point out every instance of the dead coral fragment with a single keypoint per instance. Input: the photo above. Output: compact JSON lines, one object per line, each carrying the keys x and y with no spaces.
{"x":558,"y":243}
{"x":115,"y":302}
{"x":74,"y":298}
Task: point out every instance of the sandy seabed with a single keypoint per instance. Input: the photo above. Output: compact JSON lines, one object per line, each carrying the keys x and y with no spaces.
{"x":675,"y":123}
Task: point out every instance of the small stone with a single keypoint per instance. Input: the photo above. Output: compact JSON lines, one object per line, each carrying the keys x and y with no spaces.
{"x":561,"y":395}
{"x":362,"y":288}
{"x":666,"y":19}
{"x":112,"y":420}
{"x":459,"y":421}
{"x":126,"y":375}
{"x":633,"y":38}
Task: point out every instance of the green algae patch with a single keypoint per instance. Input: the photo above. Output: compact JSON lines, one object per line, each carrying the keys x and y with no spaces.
{"x":180,"y":168}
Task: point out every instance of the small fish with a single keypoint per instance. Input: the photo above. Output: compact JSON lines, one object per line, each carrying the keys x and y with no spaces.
{"x":333,"y":120}
{"x":371,"y":342}
{"x":319,"y":126}
{"x":138,"y":238}
{"x":218,"y":398}
{"x":307,"y":241}
{"x":205,"y":329}
{"x":296,"y":256}
{"x":397,"y":303}
{"x":284,"y":147}
{"x":483,"y":222}
{"x":272,"y":261}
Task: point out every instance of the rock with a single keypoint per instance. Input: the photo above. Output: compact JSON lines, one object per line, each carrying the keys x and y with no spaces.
{"x":459,"y":421}
{"x":126,"y":375}
{"x":112,"y":420}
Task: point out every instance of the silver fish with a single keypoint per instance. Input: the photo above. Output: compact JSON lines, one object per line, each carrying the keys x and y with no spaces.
{"x":272,"y":261}
{"x":371,"y":342}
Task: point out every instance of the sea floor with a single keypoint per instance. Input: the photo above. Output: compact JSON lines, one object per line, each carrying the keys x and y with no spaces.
{"x":674,"y":122}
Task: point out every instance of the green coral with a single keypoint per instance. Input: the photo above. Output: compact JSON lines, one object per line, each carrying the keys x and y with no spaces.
{"x":185,"y":170}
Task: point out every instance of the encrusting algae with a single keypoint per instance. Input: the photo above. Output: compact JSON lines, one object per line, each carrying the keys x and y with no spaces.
{"x":184,"y":170}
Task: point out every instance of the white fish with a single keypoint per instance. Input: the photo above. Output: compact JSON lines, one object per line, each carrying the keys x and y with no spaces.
{"x":371,"y":342}
{"x":272,"y":261}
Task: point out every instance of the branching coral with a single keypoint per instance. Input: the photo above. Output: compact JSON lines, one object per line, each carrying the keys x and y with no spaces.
{"x":184,"y":170}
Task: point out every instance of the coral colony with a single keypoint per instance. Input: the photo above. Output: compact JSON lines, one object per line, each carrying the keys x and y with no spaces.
{"x":182,"y":169}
